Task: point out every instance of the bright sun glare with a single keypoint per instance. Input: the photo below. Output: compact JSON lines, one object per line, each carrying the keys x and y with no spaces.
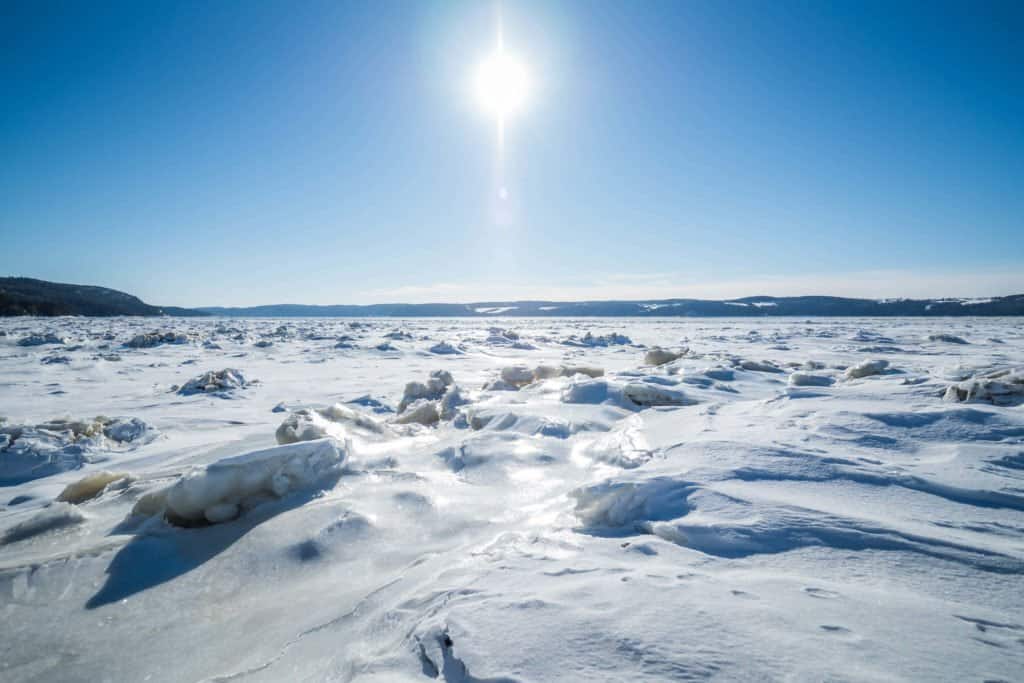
{"x":501,"y":84}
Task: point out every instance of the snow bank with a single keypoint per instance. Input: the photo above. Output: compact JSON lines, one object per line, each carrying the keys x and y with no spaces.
{"x":221,"y":383}
{"x":55,"y":516}
{"x":867,"y":368}
{"x":221,"y":491}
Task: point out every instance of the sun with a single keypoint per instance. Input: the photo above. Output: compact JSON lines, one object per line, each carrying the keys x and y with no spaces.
{"x":502,"y":84}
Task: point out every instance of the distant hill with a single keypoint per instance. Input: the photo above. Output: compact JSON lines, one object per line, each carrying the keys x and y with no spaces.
{"x":754,"y":306}
{"x":26,"y":296}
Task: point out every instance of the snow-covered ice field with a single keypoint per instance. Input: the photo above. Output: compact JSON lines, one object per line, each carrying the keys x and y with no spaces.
{"x":547,"y":500}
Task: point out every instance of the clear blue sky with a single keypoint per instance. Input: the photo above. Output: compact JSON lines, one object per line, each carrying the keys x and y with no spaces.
{"x":237,"y":153}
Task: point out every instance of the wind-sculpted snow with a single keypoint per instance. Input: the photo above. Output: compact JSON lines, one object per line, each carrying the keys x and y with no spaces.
{"x":538,"y":499}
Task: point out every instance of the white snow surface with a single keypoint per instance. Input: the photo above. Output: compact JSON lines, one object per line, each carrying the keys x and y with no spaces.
{"x":781,"y":503}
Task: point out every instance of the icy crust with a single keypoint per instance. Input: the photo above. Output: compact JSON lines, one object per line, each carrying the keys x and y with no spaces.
{"x":31,"y":451}
{"x":221,"y":491}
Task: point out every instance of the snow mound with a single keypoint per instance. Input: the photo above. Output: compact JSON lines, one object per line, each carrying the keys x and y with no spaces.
{"x":222,"y":490}
{"x":41,"y":339}
{"x":55,"y":516}
{"x":806,"y":379}
{"x":660,"y":356}
{"x":337,"y":421}
{"x":867,"y":369}
{"x":1004,"y":388}
{"x":151,"y":339}
{"x":221,"y":383}
{"x":90,"y":486}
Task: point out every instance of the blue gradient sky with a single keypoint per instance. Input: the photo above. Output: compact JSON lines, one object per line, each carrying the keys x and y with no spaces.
{"x":238,"y":153}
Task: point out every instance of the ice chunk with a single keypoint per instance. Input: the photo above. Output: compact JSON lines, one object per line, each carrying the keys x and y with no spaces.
{"x":451,"y":401}
{"x":660,"y":356}
{"x":947,"y":338}
{"x":422,"y":412}
{"x":759,"y":366}
{"x":433,"y":390}
{"x":589,"y":371}
{"x":151,"y":339}
{"x":90,"y":486}
{"x":590,"y":340}
{"x":587,"y":391}
{"x":517,"y":375}
{"x":40,"y":450}
{"x":337,"y":421}
{"x":806,"y":379}
{"x":217,"y":492}
{"x":444,"y":348}
{"x":41,"y":339}
{"x":220,"y":383}
{"x":647,"y":395}
{"x":1005,"y":387}
{"x":867,"y":368}
{"x":127,"y":429}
